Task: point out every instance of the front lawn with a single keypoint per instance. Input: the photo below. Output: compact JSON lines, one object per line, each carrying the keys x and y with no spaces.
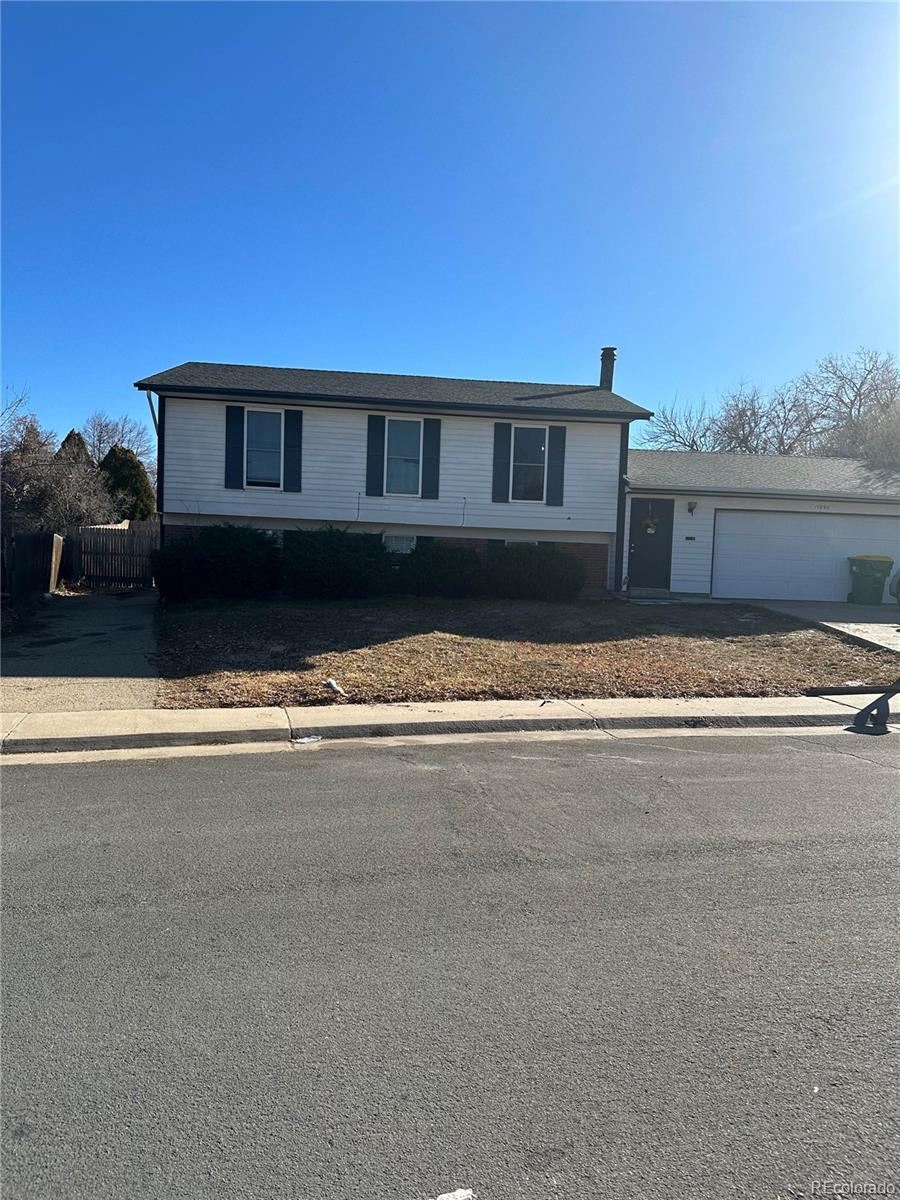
{"x":238,"y":654}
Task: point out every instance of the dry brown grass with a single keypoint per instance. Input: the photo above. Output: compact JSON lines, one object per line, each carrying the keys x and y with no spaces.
{"x":269,"y":653}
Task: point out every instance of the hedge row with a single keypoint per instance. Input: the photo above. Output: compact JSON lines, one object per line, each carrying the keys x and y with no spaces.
{"x":237,"y":562}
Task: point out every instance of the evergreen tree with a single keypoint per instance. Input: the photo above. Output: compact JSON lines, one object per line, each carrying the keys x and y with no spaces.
{"x":129,"y":484}
{"x":74,"y":448}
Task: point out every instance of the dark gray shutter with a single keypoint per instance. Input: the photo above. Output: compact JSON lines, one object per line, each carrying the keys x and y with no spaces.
{"x":293,"y":449}
{"x":375,"y":457}
{"x":556,"y":463}
{"x":502,"y":450}
{"x":234,"y":446}
{"x":431,"y":458}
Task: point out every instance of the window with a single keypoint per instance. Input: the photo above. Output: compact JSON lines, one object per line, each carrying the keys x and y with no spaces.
{"x":399,"y":543}
{"x":529,"y":454}
{"x":263,"y":448}
{"x":403,"y":458}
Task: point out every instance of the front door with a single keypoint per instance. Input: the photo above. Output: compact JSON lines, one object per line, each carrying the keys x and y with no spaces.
{"x":650,"y":552}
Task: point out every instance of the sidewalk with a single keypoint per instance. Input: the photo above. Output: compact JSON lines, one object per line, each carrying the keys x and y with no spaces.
{"x":24,"y":733}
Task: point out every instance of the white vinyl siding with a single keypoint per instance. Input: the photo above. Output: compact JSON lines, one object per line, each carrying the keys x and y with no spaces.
{"x":334,"y":476}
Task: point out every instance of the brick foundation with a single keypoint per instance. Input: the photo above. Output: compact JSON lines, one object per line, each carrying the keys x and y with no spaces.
{"x":594,"y":557}
{"x":178,"y":533}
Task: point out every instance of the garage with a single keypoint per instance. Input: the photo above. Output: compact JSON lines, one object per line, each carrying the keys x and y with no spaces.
{"x":754,"y":526}
{"x":794,"y":555}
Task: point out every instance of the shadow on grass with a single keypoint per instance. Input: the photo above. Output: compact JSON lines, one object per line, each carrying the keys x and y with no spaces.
{"x":262,"y":636}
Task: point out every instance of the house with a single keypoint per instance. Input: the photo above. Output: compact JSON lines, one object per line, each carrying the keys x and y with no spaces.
{"x":751,"y":526}
{"x":474,"y":461}
{"x":469,"y":460}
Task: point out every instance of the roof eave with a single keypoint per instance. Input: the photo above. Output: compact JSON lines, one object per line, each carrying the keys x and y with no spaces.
{"x":640,"y":414}
{"x":771,"y":494}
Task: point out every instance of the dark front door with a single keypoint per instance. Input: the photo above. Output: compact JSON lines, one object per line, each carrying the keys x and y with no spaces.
{"x":650,"y":553}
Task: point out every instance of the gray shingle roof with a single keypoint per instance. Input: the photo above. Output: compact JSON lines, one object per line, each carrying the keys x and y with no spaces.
{"x":426,"y":390}
{"x":694,"y":470}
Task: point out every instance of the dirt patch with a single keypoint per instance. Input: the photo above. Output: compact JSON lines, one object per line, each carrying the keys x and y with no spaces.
{"x":257,"y":653}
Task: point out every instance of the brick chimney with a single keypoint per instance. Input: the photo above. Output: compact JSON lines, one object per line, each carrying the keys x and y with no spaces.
{"x":607,"y":366}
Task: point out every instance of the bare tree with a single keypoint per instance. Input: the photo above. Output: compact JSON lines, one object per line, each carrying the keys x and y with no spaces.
{"x":42,"y":487}
{"x":834,"y":409}
{"x":13,"y":408}
{"x":25,"y":457}
{"x":849,"y":387}
{"x":781,"y":423}
{"x":673,"y":428}
{"x":852,"y":393}
{"x":880,"y":439}
{"x":77,"y":495}
{"x":101,"y":432}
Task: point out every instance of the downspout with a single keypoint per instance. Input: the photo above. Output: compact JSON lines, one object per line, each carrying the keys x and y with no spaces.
{"x":160,"y":466}
{"x":149,"y":396}
{"x":620,"y":509}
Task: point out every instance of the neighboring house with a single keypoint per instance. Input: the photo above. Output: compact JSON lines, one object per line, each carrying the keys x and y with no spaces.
{"x":472,"y":461}
{"x":407,"y":456}
{"x":753,"y":526}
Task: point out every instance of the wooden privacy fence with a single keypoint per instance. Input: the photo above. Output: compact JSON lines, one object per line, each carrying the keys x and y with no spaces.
{"x":29,"y":562}
{"x":120,"y":558}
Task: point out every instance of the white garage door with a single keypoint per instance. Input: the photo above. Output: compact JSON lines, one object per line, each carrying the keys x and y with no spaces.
{"x":795,"y":556}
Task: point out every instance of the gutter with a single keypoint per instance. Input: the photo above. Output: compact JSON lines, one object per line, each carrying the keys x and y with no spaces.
{"x":842,"y":497}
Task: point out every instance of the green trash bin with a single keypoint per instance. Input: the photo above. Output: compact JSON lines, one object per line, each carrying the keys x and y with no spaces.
{"x":868,"y":573}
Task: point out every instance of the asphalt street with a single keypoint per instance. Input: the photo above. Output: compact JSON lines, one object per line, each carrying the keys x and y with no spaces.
{"x":542,"y":968}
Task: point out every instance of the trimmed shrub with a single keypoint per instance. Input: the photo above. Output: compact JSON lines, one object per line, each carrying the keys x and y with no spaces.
{"x":436,"y":569}
{"x":231,"y":561}
{"x":237,"y":562}
{"x":532,"y":572}
{"x":332,"y":564}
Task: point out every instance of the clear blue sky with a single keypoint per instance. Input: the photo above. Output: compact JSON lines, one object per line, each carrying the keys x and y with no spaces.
{"x":476,"y":190}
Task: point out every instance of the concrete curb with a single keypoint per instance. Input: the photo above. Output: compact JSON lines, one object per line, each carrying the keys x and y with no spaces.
{"x":30,"y":733}
{"x":140,"y":729}
{"x":406,"y":729}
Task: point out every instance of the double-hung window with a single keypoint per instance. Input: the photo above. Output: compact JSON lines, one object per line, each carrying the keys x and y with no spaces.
{"x":403,"y":458}
{"x":529,"y":460}
{"x":264,"y":448}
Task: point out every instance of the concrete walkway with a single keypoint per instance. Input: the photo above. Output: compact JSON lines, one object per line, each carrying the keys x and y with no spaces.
{"x":82,"y":654}
{"x":31,"y":733}
{"x":876,"y":624}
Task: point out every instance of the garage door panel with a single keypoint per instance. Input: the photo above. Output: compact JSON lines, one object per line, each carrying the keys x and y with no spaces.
{"x":794,"y":556}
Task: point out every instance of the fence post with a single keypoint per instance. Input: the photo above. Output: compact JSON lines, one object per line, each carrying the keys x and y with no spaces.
{"x":56,"y":550}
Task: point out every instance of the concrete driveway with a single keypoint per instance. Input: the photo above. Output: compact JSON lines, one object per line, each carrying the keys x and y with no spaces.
{"x":83,"y":653}
{"x":878,"y":624}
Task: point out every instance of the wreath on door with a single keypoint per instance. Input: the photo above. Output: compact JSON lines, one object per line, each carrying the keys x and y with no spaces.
{"x":649,"y":523}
